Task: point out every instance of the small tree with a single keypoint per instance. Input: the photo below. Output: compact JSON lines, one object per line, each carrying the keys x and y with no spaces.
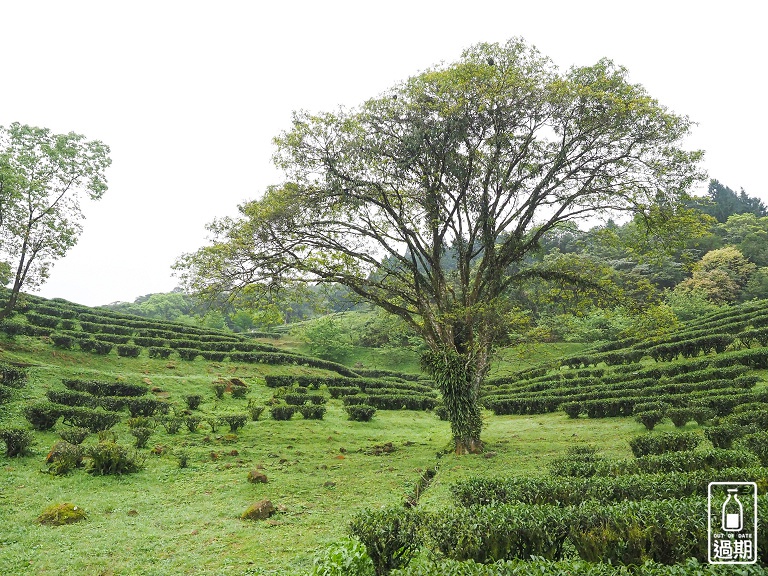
{"x":426,"y":200}
{"x":43,"y":177}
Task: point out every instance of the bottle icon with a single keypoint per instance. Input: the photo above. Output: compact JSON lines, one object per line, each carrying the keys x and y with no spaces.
{"x":733,"y":512}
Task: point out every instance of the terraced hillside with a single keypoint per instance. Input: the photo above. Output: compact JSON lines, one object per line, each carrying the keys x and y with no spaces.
{"x":168,"y":437}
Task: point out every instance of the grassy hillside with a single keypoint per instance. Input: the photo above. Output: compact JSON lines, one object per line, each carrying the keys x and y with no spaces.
{"x":167,"y":519}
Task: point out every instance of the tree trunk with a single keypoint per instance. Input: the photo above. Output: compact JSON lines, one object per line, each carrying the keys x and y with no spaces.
{"x":456,"y":375}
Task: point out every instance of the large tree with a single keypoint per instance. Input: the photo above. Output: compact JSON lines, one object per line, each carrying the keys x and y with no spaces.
{"x":43,"y":178}
{"x":479,"y":158}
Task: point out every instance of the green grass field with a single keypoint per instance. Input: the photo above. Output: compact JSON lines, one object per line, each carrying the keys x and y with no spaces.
{"x":170,"y":520}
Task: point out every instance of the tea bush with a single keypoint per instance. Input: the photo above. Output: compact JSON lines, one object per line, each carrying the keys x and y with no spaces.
{"x":235,"y":421}
{"x":95,"y":420}
{"x":128,"y":351}
{"x":723,"y":435}
{"x":142,"y":434}
{"x":255,"y":409}
{"x":650,"y":418}
{"x":193,"y":401}
{"x":390,"y":536}
{"x":360,"y":412}
{"x":17,"y":441}
{"x":108,"y":457}
{"x":42,"y":415}
{"x":74,"y":435}
{"x":172,"y":424}
{"x":159,"y":352}
{"x":664,"y":442}
{"x":282,"y":412}
{"x":13,"y":376}
{"x":63,"y":458}
{"x":146,"y":406}
{"x":498,"y":532}
{"x":62,"y":341}
{"x":99,"y":388}
{"x":345,"y":557}
{"x":312,"y":411}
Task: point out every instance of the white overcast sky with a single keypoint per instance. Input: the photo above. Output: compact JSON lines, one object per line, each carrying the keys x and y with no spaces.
{"x":189,"y":95}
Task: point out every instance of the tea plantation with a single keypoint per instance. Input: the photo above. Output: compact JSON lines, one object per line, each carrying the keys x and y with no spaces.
{"x":134,"y":446}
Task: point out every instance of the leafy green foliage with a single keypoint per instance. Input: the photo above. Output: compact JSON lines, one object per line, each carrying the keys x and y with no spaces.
{"x":17,"y":440}
{"x":43,"y":177}
{"x":665,"y":442}
{"x":63,"y":458}
{"x":108,"y":457}
{"x":42,"y":415}
{"x":390,"y":537}
{"x":345,"y":557}
{"x":360,"y":412}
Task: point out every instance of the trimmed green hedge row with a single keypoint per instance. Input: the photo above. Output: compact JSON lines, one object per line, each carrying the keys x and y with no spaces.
{"x":392,"y":401}
{"x":100,"y":388}
{"x":567,"y":491}
{"x":690,"y":567}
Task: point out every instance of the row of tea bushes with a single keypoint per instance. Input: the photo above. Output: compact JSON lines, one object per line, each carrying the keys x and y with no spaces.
{"x":622,"y":534}
{"x":568,"y":491}
{"x":690,"y":567}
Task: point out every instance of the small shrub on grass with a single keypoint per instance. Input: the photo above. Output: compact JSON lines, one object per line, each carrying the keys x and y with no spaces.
{"x":218,"y":389}
{"x":111,"y":458}
{"x":75,"y":435}
{"x":239,"y":391}
{"x":13,"y":326}
{"x":144,"y":406}
{"x":213,"y":422}
{"x":194,"y":401}
{"x":317,"y":399}
{"x":17,"y":441}
{"x":159,"y":352}
{"x":188,"y":354}
{"x":295,"y":399}
{"x":360,"y":412}
{"x":141,"y":422}
{"x":650,"y":418}
{"x":63,"y":458}
{"x":142,"y":434}
{"x":680,"y":416}
{"x":61,"y":514}
{"x":128,"y":351}
{"x":282,"y":412}
{"x":255,"y":409}
{"x":183,"y":458}
{"x":345,"y":557}
{"x":312,"y":411}
{"x":235,"y":421}
{"x":42,"y":415}
{"x":440,"y":410}
{"x":63,"y":341}
{"x":390,"y":537}
{"x":13,"y":376}
{"x":172,"y":424}
{"x":573,"y":409}
{"x":192,"y":423}
{"x":101,"y":348}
